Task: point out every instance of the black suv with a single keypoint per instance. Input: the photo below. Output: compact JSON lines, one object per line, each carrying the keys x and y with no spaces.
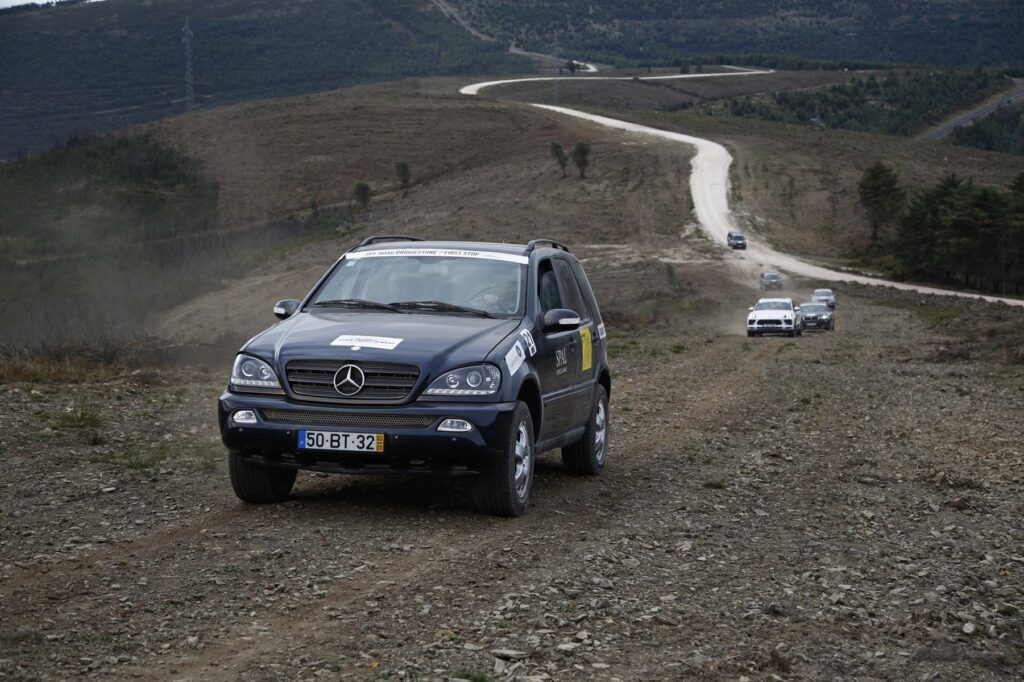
{"x":419,"y":357}
{"x":736,"y":240}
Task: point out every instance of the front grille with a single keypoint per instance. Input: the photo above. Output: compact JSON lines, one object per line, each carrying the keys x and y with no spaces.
{"x":769,"y":323}
{"x":384,"y":381}
{"x":348,"y":419}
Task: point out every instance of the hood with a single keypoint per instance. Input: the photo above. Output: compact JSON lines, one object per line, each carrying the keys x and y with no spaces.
{"x":769,"y":314}
{"x":422,"y":339}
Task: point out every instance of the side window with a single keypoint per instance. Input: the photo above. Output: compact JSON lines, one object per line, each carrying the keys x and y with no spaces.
{"x":570,"y":289}
{"x":547,"y":287}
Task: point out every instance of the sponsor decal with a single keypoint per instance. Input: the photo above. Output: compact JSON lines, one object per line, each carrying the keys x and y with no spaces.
{"x":446,"y":253}
{"x":601,"y":333}
{"x":588,"y":347}
{"x":531,"y":347}
{"x":357,"y":342}
{"x":561,"y":361}
{"x":514,"y":358}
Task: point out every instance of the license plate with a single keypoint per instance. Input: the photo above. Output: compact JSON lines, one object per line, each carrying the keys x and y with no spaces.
{"x":341,"y":441}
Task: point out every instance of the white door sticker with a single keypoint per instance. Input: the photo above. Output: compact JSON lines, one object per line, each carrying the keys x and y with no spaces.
{"x":601,"y":333}
{"x":530,"y":345}
{"x":357,"y":342}
{"x":514,"y":358}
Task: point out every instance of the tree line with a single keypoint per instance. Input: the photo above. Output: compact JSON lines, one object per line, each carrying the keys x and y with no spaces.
{"x":919,"y":32}
{"x":105,"y":65}
{"x":955,"y":233}
{"x":899,"y":103}
{"x":1000,"y":131}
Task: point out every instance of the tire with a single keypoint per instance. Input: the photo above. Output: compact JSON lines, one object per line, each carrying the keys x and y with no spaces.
{"x":256,"y":483}
{"x":800,"y":331}
{"x":749,"y":333}
{"x":792,"y":333}
{"x":498,"y":492}
{"x":587,"y":457}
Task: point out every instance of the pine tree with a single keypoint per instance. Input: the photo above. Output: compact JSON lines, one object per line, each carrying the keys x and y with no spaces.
{"x":881,"y":194}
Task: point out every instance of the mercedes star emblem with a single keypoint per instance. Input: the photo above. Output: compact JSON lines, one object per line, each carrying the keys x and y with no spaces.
{"x":349,"y":380}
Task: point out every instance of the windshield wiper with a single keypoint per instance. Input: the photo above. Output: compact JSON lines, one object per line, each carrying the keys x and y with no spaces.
{"x":441,"y":306}
{"x":357,"y":303}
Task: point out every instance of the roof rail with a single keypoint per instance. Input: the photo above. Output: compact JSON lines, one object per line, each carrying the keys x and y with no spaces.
{"x":388,"y":237}
{"x":535,"y":243}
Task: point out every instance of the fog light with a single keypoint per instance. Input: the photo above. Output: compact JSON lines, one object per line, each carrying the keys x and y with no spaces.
{"x":244,"y":417}
{"x":455,"y":426}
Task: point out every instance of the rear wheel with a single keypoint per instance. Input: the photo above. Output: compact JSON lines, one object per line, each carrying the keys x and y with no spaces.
{"x":588,"y":456}
{"x":256,"y":483}
{"x":503,"y":489}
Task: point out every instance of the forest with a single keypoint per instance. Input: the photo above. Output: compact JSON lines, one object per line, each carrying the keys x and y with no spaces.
{"x":985,"y":32}
{"x":961,"y":234}
{"x":97,"y":67}
{"x":900,"y":102}
{"x":1000,"y":131}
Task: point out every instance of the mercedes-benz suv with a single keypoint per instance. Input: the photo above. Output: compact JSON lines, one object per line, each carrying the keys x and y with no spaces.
{"x":416,"y":357}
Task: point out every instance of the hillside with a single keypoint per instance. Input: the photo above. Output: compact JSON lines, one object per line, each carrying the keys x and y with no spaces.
{"x":945,"y":32}
{"x":97,"y":67}
{"x":770,"y":506}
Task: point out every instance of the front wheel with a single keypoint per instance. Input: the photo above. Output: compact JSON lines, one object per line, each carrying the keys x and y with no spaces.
{"x":503,"y":488}
{"x":256,"y":483}
{"x":587,"y":457}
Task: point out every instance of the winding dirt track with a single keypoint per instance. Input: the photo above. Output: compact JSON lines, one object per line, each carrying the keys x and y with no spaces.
{"x":709,"y":186}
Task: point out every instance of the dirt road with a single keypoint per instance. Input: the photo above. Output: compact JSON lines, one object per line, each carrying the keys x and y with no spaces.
{"x":709,"y":187}
{"x":770,"y":507}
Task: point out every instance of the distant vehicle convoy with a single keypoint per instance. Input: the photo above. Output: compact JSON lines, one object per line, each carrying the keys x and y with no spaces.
{"x":736,"y":240}
{"x":782,"y":316}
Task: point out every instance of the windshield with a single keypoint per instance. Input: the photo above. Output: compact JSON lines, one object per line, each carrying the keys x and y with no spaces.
{"x":822,"y":292}
{"x":425,"y":283}
{"x":771,"y":275}
{"x":813,"y":308}
{"x":772,"y":305}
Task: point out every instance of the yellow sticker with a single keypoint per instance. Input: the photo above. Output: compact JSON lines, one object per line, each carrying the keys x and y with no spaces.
{"x":379,"y":445}
{"x":588,"y":348}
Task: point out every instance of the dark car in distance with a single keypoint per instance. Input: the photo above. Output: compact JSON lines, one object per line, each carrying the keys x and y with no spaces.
{"x":770,"y":280}
{"x":418,"y":357}
{"x":736,"y":240}
{"x":818,"y":316}
{"x":826,"y":296}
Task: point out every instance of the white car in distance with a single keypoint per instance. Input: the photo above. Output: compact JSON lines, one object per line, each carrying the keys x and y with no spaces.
{"x":775,"y":316}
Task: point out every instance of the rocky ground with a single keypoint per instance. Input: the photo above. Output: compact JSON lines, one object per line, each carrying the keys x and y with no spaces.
{"x":842,"y":505}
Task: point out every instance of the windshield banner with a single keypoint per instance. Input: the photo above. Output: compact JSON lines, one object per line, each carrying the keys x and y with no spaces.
{"x":443,"y":253}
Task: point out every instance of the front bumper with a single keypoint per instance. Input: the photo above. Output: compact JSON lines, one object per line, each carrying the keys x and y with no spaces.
{"x":817,"y":324}
{"x":408,"y":449}
{"x":783,"y":327}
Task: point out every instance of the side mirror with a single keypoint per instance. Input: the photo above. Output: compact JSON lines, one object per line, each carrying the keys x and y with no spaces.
{"x":796,"y":309}
{"x":751,"y":308}
{"x":286,"y":308}
{"x":560,"y":320}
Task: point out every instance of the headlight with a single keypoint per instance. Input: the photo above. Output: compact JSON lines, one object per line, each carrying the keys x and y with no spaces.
{"x":251,"y":372}
{"x":476,"y":380}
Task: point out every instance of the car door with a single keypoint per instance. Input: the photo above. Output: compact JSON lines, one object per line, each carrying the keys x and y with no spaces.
{"x":557,"y":363}
{"x":582,"y":391}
